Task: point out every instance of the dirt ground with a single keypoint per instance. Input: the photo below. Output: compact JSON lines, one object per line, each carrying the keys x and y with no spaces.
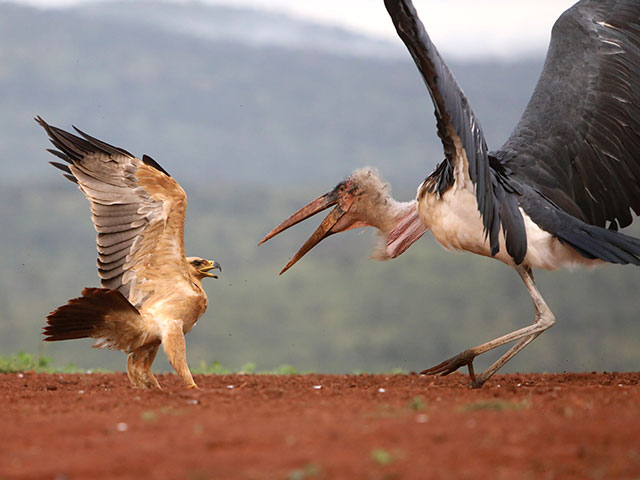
{"x":94,"y":426}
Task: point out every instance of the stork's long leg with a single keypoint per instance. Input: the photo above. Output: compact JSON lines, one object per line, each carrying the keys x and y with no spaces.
{"x":139,"y":366}
{"x":544,"y":320}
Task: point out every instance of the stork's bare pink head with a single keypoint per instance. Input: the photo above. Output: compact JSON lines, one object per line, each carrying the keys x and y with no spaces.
{"x":363,"y":199}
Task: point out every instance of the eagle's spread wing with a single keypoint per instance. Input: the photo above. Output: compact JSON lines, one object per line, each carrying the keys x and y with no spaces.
{"x":138,"y":211}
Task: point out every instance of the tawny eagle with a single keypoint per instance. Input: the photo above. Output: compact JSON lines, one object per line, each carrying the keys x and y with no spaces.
{"x":151,"y":292}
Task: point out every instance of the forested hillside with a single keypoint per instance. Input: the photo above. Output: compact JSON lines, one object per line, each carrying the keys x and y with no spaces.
{"x":264,"y":115}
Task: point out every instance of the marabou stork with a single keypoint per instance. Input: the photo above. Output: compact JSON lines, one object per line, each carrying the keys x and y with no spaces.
{"x":555,"y":194}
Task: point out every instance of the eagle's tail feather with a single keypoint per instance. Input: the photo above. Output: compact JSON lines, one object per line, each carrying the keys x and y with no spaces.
{"x":99,"y":313}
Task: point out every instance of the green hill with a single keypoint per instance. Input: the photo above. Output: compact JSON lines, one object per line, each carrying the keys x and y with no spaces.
{"x":226,"y":110}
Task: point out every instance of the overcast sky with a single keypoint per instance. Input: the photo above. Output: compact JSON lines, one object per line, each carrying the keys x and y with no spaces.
{"x":462,"y":28}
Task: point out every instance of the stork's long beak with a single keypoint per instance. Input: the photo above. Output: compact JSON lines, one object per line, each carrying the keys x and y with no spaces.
{"x":340,"y":196}
{"x":211,"y":266}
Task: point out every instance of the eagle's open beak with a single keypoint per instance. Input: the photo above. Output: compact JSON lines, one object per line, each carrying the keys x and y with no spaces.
{"x":211,"y":266}
{"x":342,"y":197}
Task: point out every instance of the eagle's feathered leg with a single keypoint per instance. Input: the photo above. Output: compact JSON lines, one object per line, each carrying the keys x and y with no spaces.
{"x":139,"y":366}
{"x":175,"y":347}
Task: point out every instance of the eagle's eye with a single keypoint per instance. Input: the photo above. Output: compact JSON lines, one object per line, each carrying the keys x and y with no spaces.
{"x":197,"y":263}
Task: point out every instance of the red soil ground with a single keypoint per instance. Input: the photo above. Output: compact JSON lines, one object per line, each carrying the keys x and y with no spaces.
{"x":94,"y":426}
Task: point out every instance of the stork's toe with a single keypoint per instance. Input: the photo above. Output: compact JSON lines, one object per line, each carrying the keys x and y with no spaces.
{"x":454,"y":363}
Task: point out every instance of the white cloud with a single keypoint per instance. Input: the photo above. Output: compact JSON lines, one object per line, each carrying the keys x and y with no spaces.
{"x":460,"y":28}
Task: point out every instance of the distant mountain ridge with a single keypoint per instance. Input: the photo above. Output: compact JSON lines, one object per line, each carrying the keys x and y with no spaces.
{"x":223,"y":108}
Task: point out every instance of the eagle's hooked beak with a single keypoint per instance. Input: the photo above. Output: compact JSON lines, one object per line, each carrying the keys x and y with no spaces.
{"x":343,"y":197}
{"x":211,"y":265}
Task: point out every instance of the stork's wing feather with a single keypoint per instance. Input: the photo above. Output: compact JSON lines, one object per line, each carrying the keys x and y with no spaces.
{"x":578,"y":141}
{"x":458,"y":128}
{"x":138,"y":211}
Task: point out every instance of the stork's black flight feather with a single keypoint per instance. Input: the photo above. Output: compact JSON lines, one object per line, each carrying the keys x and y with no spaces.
{"x":577,"y":145}
{"x":455,"y":119}
{"x":578,"y":141}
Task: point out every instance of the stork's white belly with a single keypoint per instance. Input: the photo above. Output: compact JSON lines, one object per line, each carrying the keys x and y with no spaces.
{"x":455,"y":222}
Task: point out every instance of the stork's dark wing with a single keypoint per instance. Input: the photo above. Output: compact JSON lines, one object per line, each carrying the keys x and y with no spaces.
{"x":578,"y":141}
{"x":138,"y":211}
{"x":464,"y":144}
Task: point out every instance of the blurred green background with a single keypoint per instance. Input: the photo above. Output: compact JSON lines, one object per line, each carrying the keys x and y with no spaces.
{"x":253,"y":131}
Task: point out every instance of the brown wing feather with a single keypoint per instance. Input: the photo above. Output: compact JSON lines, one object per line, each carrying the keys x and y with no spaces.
{"x":137,"y":209}
{"x":99,"y":313}
{"x":158,"y":255}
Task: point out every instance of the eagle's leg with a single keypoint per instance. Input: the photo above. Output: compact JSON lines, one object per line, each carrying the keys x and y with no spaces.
{"x":139,"y":366}
{"x":544,"y":320}
{"x":175,"y":347}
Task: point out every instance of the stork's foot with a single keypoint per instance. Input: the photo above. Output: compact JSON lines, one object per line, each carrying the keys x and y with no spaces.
{"x":454,"y":363}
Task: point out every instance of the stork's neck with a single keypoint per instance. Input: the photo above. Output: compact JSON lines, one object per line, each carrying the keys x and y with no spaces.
{"x":400,"y":226}
{"x":391,"y":212}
